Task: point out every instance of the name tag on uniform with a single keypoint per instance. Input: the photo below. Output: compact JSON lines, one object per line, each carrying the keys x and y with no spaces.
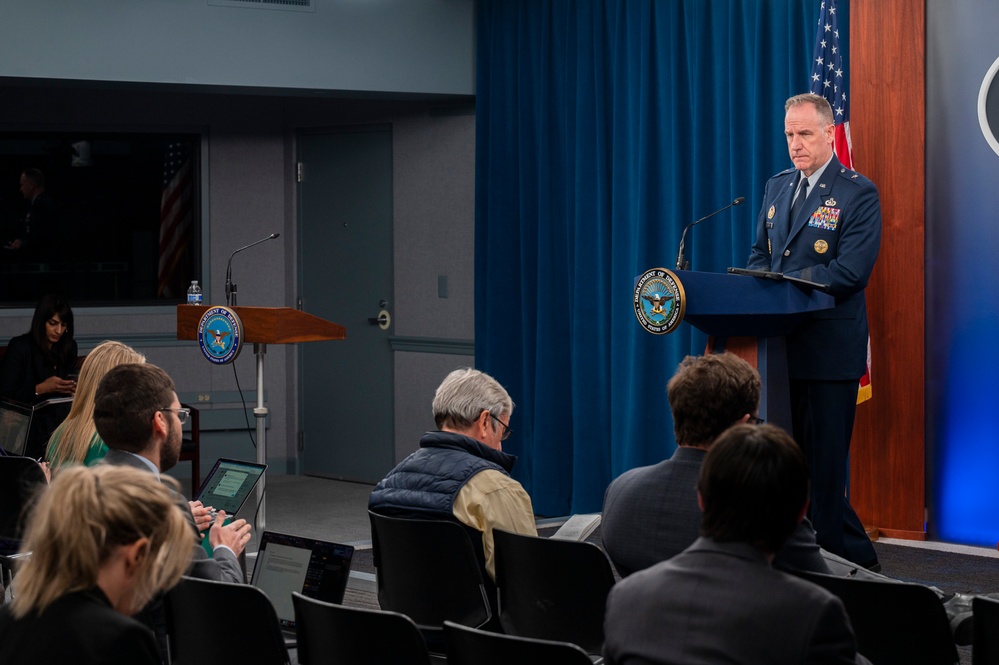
{"x":824,"y":218}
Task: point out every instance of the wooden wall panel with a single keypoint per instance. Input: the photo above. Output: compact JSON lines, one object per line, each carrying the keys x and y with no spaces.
{"x":887,"y":118}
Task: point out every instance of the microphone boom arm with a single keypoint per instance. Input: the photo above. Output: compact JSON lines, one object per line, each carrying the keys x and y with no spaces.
{"x":681,"y":264}
{"x":230,"y":288}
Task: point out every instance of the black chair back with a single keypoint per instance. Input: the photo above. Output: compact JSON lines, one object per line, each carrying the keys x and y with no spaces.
{"x":470,"y":646}
{"x":194,"y":610}
{"x":21,"y":478}
{"x":893,"y":622}
{"x":329,"y":633}
{"x":552,"y":589}
{"x":427,"y":570}
{"x":986,"y":626}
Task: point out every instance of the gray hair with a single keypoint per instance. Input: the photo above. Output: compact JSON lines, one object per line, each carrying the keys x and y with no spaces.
{"x":465,"y":394}
{"x":818,"y":101}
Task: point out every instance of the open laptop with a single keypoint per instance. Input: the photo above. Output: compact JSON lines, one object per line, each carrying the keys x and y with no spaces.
{"x":15,"y":425}
{"x":228,"y":484}
{"x":314,"y":568}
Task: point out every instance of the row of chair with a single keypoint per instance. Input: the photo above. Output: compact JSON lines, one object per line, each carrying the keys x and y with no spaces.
{"x":328,"y":633}
{"x":546,"y":589}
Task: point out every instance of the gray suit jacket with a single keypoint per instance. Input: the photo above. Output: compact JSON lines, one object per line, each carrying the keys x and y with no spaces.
{"x":651,"y":515}
{"x":223,"y":566}
{"x":723,"y":603}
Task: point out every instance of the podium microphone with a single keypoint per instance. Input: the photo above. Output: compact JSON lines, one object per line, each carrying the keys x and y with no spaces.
{"x":684,"y":265}
{"x":230,"y":288}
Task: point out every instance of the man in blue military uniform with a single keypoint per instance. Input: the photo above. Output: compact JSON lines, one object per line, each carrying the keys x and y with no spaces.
{"x":822,"y":222}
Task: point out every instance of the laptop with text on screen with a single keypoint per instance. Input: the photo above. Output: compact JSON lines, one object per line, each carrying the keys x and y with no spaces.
{"x":228,"y":484}
{"x":314,"y":568}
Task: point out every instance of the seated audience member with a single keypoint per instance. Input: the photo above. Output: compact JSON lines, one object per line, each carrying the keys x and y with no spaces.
{"x":138,"y":416}
{"x":103,"y":541}
{"x":651,"y":514}
{"x":720,"y":600}
{"x":76,"y":440}
{"x":461,"y":472}
{"x":37,"y":363}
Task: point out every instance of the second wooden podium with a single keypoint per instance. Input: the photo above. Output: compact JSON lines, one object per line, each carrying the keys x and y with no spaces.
{"x":263,"y":326}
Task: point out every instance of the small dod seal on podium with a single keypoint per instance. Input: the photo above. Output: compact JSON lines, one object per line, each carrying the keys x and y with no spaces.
{"x":220,"y":335}
{"x":659,"y":301}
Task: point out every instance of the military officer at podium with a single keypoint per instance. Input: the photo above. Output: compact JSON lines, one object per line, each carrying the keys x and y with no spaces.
{"x":821,"y":221}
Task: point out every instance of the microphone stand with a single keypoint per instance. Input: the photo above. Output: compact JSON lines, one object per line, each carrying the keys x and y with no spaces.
{"x":681,"y":264}
{"x":260,"y":412}
{"x":230,"y":288}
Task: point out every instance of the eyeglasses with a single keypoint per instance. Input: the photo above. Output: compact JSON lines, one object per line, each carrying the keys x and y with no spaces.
{"x":753,"y":420}
{"x":182,"y":413}
{"x":506,"y":428}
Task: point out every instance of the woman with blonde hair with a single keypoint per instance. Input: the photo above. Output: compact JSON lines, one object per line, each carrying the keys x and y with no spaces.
{"x":103,"y":541}
{"x":76,"y":441}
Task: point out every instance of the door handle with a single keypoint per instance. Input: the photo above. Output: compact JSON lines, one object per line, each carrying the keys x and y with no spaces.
{"x":383,"y":321}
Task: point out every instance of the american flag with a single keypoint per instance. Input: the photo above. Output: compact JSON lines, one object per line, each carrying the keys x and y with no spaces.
{"x":829,"y":78}
{"x":176,"y":220}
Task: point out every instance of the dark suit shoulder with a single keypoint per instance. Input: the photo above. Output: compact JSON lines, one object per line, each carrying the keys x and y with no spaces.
{"x":782,"y":175}
{"x":88,"y":629}
{"x":851,"y":176}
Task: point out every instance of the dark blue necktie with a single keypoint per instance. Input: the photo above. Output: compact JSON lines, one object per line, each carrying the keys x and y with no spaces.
{"x":800,"y":200}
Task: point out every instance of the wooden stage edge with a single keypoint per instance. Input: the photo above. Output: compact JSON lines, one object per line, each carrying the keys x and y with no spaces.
{"x":901,"y":534}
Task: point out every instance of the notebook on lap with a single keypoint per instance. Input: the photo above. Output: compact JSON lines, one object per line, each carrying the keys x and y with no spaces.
{"x":228,"y":484}
{"x":314,"y":568}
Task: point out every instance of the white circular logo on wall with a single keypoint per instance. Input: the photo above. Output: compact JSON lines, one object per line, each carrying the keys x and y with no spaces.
{"x":988,"y":106}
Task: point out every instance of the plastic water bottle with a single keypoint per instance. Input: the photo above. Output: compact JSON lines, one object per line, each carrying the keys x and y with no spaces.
{"x":194,"y":293}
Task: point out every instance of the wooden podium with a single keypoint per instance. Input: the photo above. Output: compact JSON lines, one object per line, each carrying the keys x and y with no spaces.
{"x":263,"y":326}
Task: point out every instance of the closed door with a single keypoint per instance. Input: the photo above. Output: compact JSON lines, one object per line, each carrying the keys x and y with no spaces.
{"x":346,"y":401}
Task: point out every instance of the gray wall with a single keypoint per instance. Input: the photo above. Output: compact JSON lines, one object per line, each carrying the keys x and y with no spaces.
{"x":434,"y":238}
{"x":248,"y":79}
{"x":412,"y":46}
{"x":249,"y":192}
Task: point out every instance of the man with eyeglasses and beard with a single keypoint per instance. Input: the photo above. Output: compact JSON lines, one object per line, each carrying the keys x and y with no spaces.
{"x":137,"y":414}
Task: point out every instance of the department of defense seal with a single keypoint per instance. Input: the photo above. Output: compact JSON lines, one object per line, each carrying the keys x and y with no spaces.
{"x":821,"y":246}
{"x":220,"y":335}
{"x":659,"y":301}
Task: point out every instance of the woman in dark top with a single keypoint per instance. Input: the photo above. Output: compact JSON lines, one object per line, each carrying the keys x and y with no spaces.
{"x":37,"y":363}
{"x":104,"y":540}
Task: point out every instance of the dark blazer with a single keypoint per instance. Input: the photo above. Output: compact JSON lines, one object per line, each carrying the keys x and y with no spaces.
{"x":24,"y":367}
{"x":723,"y":603}
{"x":651,"y":514}
{"x":223,"y":566}
{"x":80,"y":628}
{"x":834,"y":240}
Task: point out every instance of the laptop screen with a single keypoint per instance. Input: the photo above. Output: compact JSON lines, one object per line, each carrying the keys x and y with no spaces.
{"x":229,"y":483}
{"x":315,"y":568}
{"x":15,"y":422}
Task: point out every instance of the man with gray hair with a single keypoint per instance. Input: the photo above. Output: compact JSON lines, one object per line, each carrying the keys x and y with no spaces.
{"x":460,"y":472}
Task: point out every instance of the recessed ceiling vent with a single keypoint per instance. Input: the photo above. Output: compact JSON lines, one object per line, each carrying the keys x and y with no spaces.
{"x":287,"y":5}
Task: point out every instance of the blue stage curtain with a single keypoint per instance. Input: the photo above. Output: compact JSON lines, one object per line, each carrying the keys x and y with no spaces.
{"x":604,"y":127}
